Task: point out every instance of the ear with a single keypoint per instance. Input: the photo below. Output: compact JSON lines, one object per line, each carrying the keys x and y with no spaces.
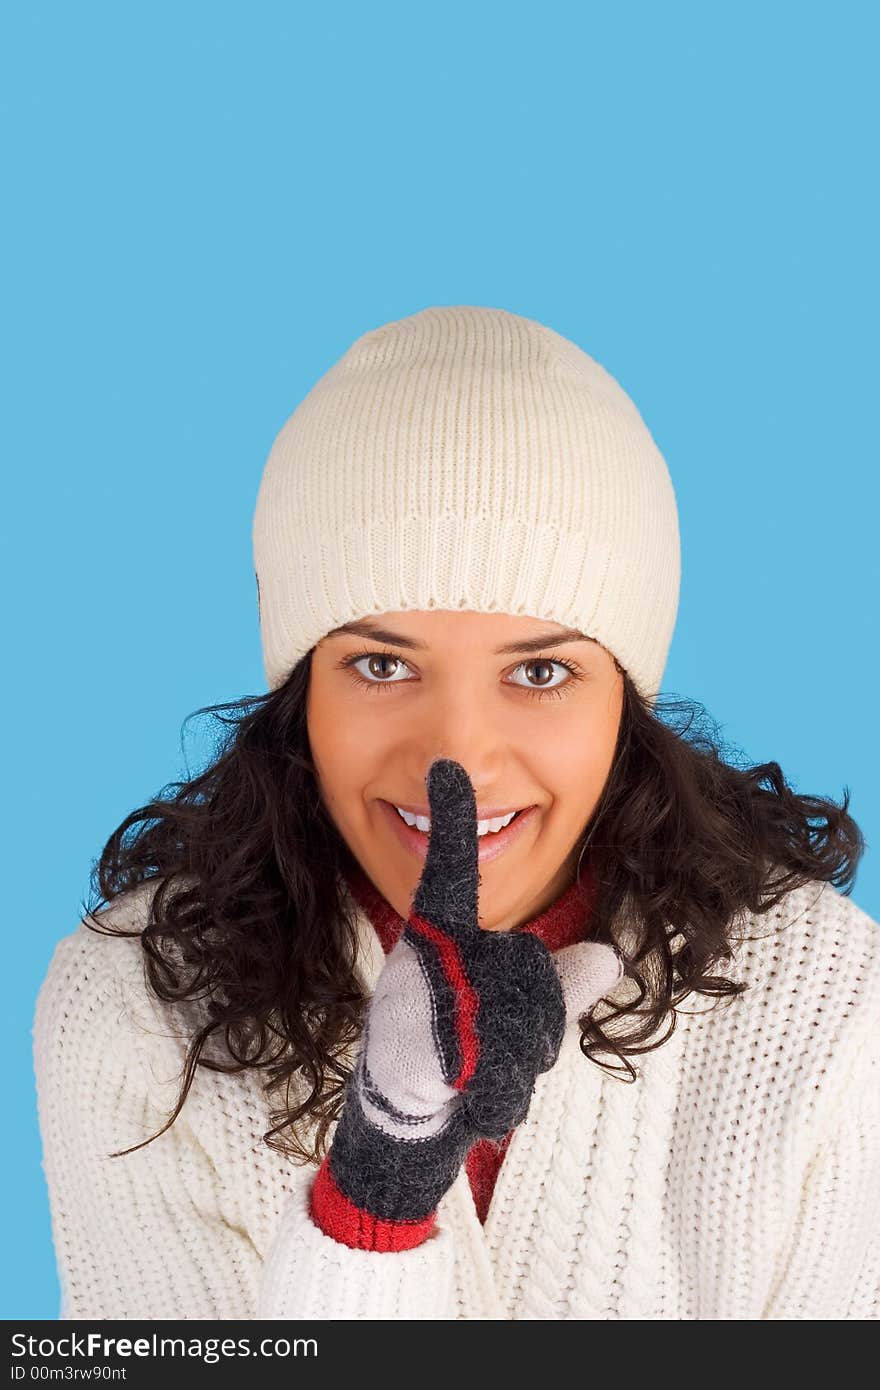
{"x":587,"y":971}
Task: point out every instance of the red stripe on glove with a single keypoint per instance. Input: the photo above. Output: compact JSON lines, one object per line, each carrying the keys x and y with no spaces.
{"x":466,"y":998}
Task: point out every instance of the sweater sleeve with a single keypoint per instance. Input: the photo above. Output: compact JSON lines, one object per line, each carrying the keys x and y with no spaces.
{"x":156,"y":1234}
{"x":350,"y":1283}
{"x":831,"y":1264}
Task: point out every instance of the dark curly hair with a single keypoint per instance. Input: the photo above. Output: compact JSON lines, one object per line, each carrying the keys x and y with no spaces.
{"x":249,"y":914}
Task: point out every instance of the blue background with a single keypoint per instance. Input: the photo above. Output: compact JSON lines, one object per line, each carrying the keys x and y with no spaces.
{"x":206,"y":204}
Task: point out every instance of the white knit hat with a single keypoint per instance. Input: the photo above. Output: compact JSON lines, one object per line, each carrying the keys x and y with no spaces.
{"x":468,"y":458}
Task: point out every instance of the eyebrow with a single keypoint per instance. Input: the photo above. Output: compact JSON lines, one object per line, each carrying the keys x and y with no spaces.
{"x":364,"y":628}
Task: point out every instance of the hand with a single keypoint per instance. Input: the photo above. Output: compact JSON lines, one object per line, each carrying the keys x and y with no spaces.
{"x":461,"y":1023}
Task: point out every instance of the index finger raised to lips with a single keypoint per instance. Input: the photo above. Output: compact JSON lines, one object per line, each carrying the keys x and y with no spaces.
{"x":447,"y":893}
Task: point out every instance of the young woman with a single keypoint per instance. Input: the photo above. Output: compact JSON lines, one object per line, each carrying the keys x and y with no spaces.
{"x":346,"y":1041}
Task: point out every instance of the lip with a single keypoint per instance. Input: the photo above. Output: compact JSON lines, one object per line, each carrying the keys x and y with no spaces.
{"x":488,"y":846}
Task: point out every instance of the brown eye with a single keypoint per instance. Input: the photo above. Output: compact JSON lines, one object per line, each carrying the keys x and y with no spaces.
{"x":375,"y":662}
{"x":375,"y":678}
{"x":542,"y":665}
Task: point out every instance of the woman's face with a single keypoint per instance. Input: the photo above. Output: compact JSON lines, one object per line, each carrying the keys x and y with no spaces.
{"x":528,"y":731}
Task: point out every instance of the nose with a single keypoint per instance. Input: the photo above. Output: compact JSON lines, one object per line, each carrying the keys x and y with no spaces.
{"x":463,"y":727}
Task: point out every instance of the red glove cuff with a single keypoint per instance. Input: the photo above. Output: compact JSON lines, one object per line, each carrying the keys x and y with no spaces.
{"x":340,"y":1218}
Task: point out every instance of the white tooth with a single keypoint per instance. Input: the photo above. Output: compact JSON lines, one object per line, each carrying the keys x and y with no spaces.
{"x":491,"y":827}
{"x":484,"y":827}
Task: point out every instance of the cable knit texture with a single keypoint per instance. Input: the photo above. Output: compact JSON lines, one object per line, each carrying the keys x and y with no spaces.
{"x":737,"y":1178}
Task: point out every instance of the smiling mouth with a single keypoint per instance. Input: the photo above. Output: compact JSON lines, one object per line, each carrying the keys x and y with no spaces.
{"x":489,"y":845}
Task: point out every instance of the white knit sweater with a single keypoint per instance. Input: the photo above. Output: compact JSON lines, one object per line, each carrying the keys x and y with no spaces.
{"x":739,"y":1177}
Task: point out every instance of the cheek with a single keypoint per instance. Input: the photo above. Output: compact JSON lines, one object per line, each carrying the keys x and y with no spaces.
{"x":345,"y":757}
{"x":328,"y":739}
{"x":575,"y":754}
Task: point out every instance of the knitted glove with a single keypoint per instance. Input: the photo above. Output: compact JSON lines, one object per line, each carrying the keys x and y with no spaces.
{"x":460,"y":1024}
